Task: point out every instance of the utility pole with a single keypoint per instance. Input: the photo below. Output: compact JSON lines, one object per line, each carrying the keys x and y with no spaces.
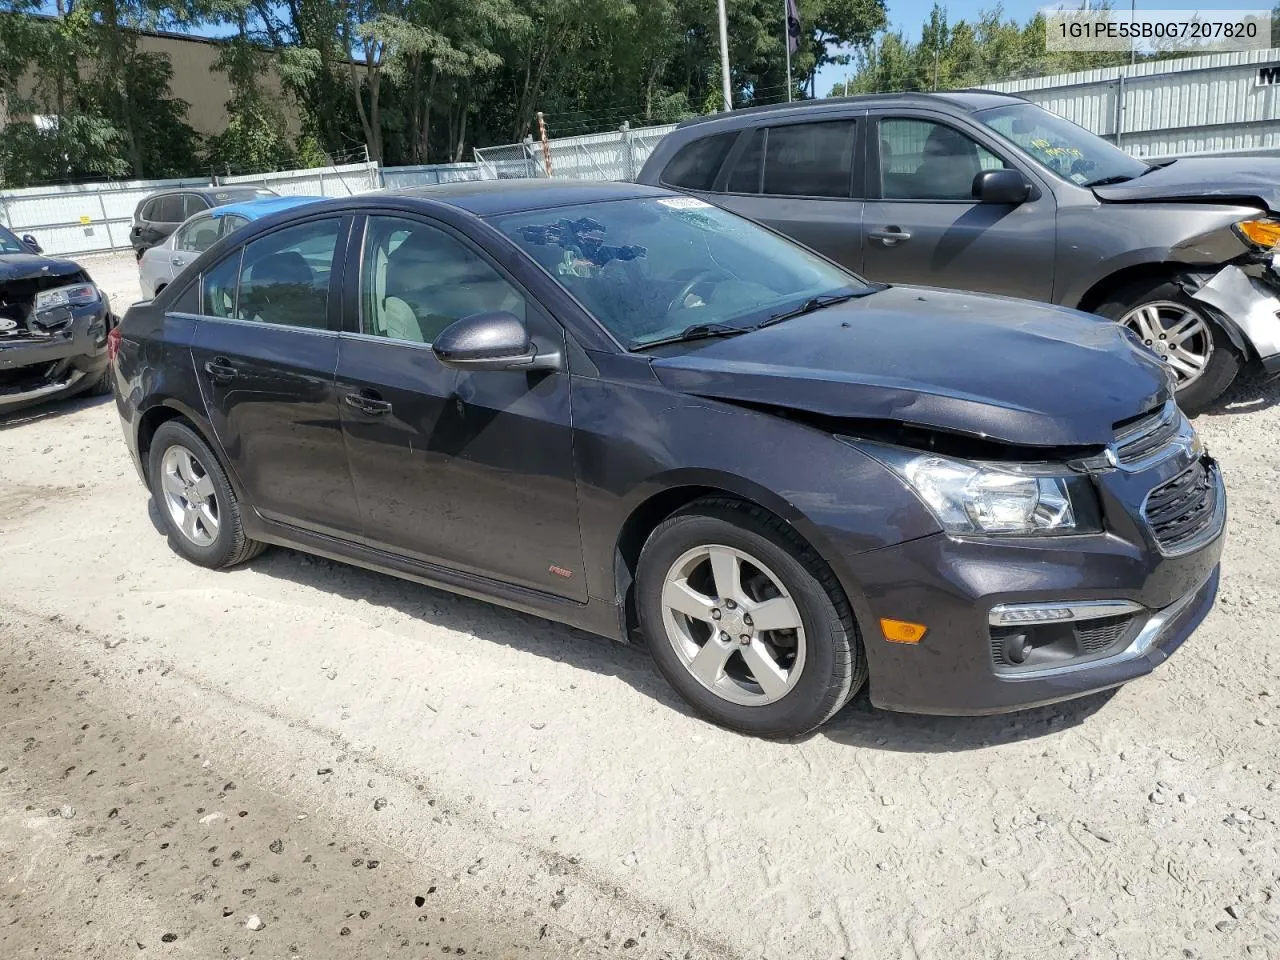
{"x":546,"y":144}
{"x":786,"y":41}
{"x":1133,"y":46}
{"x":724,"y":57}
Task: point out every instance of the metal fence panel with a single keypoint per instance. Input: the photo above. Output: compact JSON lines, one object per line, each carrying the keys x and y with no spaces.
{"x":397,"y":178}
{"x":80,"y":218}
{"x":1197,"y":105}
{"x":343,"y":181}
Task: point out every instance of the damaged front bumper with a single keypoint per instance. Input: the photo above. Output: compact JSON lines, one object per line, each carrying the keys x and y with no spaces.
{"x":1248,"y":297}
{"x":36,"y":368}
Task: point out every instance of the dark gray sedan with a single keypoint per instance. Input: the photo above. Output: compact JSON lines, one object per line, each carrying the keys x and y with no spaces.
{"x":631,"y":411}
{"x":987,"y":192}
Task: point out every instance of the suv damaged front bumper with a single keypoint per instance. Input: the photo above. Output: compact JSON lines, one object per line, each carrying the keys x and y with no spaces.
{"x":1248,"y":297}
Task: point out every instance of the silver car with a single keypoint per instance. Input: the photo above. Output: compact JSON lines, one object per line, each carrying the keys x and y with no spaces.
{"x":984,"y":191}
{"x":158,"y":265}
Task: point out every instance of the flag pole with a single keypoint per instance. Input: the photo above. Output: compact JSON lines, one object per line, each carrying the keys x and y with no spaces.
{"x":786,"y":41}
{"x":724,"y":58}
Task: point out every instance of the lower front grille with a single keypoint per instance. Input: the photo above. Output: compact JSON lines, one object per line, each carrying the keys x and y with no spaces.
{"x":1035,"y":646}
{"x":1180,"y":511}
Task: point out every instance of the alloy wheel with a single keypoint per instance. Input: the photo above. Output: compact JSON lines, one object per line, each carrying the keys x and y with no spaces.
{"x":733,"y":624}
{"x":1180,"y":336}
{"x":189,"y":495}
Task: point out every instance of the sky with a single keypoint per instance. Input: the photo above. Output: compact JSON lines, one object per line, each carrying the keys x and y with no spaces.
{"x":909,"y":15}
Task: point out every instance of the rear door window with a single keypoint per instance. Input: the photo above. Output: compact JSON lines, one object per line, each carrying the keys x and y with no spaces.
{"x":193,"y":203}
{"x":745,"y":177}
{"x":284,"y":277}
{"x":809,"y":159}
{"x":218,"y":287}
{"x":169,"y":209}
{"x":696,"y":164}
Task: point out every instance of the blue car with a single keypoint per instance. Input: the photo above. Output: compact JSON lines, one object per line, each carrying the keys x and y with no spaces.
{"x":158,"y":265}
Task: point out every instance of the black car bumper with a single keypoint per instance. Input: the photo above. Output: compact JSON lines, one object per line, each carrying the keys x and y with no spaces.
{"x":958,"y":590}
{"x":34,"y":369}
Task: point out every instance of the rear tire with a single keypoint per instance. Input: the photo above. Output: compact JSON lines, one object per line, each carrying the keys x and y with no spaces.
{"x":812,"y":668}
{"x":1152,"y":308}
{"x":196,"y":502}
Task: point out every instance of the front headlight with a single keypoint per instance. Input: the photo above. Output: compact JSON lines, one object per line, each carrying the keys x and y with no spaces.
{"x":994,"y":499}
{"x":73,"y":295}
{"x":1264,"y":234}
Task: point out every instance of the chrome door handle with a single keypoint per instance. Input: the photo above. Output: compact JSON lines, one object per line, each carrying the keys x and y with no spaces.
{"x":367,"y":403}
{"x":177,"y":261}
{"x":221,"y":370}
{"x":890,"y":236}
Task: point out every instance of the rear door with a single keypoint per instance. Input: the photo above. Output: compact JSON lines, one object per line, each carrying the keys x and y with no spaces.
{"x":922,"y":224}
{"x":801,"y":180}
{"x":158,"y":218}
{"x":265,"y":350}
{"x":472,"y":470}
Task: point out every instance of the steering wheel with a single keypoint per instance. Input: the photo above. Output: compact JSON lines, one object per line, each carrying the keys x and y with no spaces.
{"x":702,"y":276}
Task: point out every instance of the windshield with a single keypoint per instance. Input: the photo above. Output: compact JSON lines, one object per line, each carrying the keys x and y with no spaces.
{"x":1071,"y":152}
{"x":650,"y":268}
{"x":11,"y":244}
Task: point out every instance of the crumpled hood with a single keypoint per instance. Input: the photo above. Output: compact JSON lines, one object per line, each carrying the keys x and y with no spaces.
{"x":1009,"y":370}
{"x":1248,"y":180}
{"x":25,"y":266}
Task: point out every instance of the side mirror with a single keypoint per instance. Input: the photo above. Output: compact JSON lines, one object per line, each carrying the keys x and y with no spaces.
{"x":1009,"y":187}
{"x":32,"y":244}
{"x":491,"y":341}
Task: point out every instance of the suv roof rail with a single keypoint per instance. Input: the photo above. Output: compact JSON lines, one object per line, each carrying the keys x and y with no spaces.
{"x":911,"y":96}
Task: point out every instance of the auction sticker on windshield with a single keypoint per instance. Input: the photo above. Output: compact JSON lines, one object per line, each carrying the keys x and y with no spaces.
{"x":684,"y":203}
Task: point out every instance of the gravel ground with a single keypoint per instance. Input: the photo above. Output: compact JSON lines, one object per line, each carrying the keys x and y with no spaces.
{"x":553,"y":791}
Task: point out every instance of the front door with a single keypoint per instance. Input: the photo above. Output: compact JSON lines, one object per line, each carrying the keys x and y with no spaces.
{"x":924,"y":227}
{"x":265,"y":350}
{"x":469,"y":470}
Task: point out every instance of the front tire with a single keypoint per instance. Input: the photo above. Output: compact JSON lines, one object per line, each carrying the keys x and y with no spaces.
{"x":197,"y":504}
{"x":1184,"y":334}
{"x":746,"y":621}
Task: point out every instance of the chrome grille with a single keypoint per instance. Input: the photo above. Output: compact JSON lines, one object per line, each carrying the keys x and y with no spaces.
{"x":1180,"y":510}
{"x":1144,"y":438}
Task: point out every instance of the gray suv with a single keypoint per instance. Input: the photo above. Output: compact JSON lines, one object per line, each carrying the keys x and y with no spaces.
{"x":158,"y":214}
{"x":985,"y":191}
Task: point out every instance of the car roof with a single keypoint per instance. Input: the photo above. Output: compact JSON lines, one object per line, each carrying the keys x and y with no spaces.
{"x":256,"y":209}
{"x":958,"y":101}
{"x":486,"y":198}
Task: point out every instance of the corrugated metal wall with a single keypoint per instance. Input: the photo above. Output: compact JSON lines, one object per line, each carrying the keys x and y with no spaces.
{"x":1209,"y":104}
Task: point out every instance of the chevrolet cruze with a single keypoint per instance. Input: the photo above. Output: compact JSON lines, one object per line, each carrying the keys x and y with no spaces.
{"x":625,"y":409}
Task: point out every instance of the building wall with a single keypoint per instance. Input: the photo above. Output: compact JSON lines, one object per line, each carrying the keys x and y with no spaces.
{"x":195,"y":80}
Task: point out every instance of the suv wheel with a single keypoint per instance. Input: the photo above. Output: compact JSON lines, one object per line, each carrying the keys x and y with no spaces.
{"x":1183,"y":334}
{"x":196,"y":502}
{"x":746,"y":621}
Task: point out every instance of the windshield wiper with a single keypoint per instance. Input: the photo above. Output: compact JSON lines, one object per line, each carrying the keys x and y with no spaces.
{"x":699,"y":331}
{"x":814,"y":304}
